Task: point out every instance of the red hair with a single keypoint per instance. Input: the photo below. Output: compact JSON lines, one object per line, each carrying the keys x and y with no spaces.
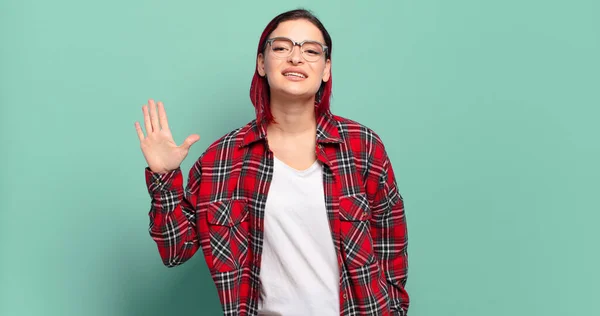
{"x":259,"y":89}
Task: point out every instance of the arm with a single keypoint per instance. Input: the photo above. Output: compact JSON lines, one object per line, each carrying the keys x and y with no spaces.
{"x":389,"y":233}
{"x":173,"y":215}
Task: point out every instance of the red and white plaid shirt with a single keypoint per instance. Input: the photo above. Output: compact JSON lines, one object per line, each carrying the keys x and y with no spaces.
{"x":221,"y":210}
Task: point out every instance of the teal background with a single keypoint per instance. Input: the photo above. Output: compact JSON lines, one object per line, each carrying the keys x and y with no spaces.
{"x":488,"y":109}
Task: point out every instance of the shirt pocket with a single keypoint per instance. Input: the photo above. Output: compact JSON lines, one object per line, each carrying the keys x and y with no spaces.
{"x":355,"y":234}
{"x":228,"y":227}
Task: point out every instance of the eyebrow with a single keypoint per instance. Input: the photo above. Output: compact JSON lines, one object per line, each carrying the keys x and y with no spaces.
{"x":305,"y":40}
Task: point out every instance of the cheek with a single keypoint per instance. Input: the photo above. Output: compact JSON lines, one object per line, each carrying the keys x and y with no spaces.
{"x":318,"y":75}
{"x":271,"y":66}
{"x":320,"y":71}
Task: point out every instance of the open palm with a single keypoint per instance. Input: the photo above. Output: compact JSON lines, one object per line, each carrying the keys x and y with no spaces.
{"x":160,"y":150}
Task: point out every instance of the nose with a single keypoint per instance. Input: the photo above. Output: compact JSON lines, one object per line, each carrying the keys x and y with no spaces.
{"x":296,"y":55}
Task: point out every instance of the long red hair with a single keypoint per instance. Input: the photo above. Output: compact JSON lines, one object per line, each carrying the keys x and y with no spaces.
{"x":259,"y":89}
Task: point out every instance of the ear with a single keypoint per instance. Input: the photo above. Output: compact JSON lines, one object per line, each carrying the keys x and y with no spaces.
{"x":327,"y":70}
{"x":260,"y":65}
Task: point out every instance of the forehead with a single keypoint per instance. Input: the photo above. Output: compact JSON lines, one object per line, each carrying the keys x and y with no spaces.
{"x":299,"y":30}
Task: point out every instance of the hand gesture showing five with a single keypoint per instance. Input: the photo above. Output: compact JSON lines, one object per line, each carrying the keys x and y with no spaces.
{"x":158,"y":146}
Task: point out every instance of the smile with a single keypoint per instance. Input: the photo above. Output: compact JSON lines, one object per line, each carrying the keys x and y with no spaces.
{"x":294,"y":74}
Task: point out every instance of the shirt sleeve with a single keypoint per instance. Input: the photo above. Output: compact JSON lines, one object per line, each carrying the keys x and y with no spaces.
{"x":172,"y":214}
{"x":389,"y":233}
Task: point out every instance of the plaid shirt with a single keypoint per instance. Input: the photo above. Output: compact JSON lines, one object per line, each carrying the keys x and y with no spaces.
{"x":221,"y":210}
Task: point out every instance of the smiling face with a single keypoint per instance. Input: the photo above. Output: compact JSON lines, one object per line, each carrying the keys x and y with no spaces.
{"x":293,"y":76}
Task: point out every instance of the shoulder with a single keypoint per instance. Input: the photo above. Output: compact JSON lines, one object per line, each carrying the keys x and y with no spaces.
{"x":228,"y":144}
{"x":355,"y":134}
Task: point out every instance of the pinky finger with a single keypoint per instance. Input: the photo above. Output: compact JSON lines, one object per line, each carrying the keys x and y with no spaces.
{"x":138,"y":128}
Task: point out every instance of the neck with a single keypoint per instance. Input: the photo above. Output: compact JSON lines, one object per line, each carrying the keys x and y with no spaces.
{"x":293,"y":117}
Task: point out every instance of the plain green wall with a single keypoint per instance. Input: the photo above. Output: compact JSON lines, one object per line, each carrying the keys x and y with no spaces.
{"x":489,"y":111}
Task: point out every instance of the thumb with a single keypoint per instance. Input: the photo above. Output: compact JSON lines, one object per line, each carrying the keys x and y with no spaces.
{"x":188,"y":142}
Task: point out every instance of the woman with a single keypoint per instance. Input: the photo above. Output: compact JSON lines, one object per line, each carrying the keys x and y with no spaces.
{"x":297,"y":212}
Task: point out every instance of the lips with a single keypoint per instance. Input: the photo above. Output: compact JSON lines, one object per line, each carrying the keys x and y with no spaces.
{"x":294,"y":74}
{"x":298,"y":73}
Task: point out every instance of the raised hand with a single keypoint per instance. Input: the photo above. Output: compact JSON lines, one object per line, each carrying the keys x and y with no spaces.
{"x":158,"y":146}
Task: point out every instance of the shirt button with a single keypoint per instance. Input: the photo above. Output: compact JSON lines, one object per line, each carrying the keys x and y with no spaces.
{"x":365,"y":214}
{"x":344,"y":296}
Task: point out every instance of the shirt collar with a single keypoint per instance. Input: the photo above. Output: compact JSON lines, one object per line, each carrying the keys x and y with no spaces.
{"x":327,"y":130}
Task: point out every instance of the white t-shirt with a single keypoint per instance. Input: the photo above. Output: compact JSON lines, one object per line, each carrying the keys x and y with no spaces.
{"x":299,"y":270}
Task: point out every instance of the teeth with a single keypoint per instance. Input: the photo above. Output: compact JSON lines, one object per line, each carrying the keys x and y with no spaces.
{"x":295,"y":74}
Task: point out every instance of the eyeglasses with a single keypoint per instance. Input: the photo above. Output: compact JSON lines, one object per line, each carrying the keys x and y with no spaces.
{"x":282,"y":47}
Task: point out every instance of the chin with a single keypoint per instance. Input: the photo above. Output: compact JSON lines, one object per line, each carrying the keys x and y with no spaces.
{"x":296,"y":93}
{"x":293,"y":90}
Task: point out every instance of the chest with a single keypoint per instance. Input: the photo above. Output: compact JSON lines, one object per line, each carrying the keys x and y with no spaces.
{"x":248,"y":176}
{"x":240,"y":185}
